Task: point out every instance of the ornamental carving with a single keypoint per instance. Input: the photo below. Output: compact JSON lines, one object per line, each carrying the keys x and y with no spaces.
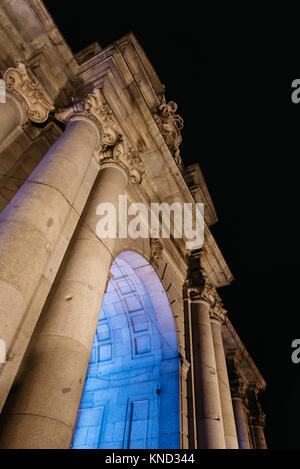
{"x":204,"y":291}
{"x":96,"y":108}
{"x":238,"y":386}
{"x":258,"y":420}
{"x":170,"y":124}
{"x":156,"y":251}
{"x":218,"y":312}
{"x":28,"y":92}
{"x":113,"y":146}
{"x":256,"y":415}
{"x":124,"y":154}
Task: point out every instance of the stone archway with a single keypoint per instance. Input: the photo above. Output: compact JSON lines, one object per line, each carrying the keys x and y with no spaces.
{"x":131,"y":393}
{"x":54,"y":266}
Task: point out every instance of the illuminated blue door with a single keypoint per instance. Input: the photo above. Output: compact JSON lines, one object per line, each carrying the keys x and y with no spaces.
{"x":131,"y":392}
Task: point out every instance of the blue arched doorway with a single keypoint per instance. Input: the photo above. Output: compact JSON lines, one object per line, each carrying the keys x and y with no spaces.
{"x":131,"y":393}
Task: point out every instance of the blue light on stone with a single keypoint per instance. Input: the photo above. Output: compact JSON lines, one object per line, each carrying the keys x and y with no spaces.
{"x":131,"y":392}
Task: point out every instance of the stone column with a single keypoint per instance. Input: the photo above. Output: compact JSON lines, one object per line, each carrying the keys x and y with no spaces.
{"x":210,"y":431}
{"x":24,"y":101}
{"x":32,"y":222}
{"x":217,"y":317}
{"x":238,"y":393}
{"x":257,"y":418}
{"x":241,"y":422}
{"x":257,"y":426}
{"x":42,"y":409}
{"x":184,"y":433}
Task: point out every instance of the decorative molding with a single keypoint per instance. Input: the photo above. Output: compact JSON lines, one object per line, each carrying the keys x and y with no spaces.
{"x":256,"y":415}
{"x":185,"y":366}
{"x":196,"y":183}
{"x":113,"y":146}
{"x":156,"y":251}
{"x":237,"y":388}
{"x":218,"y":313}
{"x":170,"y":124}
{"x":125,"y":155}
{"x":204,"y":291}
{"x":28,"y":92}
{"x":95,"y":107}
{"x":238,"y":385}
{"x":258,"y":420}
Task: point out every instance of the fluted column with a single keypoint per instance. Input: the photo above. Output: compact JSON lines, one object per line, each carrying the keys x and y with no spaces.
{"x":32,"y":222}
{"x":217,"y":316}
{"x":42,"y":410}
{"x":209,"y":421}
{"x":24,"y":101}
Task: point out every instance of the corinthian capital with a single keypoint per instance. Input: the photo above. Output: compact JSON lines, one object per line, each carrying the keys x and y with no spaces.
{"x":237,"y":388}
{"x":256,"y":415}
{"x":258,"y":420}
{"x":124,"y":155}
{"x":95,"y":107}
{"x":217,"y":312}
{"x":238,"y":385}
{"x":28,"y":92}
{"x":205,"y":291}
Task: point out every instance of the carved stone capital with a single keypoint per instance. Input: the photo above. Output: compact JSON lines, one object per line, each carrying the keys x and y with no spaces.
{"x":114,"y":146}
{"x":28,"y":92}
{"x":170,"y":124}
{"x":256,"y":415}
{"x":124,"y":155}
{"x":204,"y":291}
{"x":156,"y":251}
{"x":94,"y":107}
{"x":217,"y":312}
{"x":238,"y":385}
{"x":258,"y":420}
{"x":238,"y":388}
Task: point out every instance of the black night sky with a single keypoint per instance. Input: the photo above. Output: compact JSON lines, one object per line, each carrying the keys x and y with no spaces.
{"x":230,"y":71}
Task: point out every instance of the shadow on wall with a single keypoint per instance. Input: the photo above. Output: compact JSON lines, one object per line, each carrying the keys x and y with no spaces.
{"x":131,"y":393}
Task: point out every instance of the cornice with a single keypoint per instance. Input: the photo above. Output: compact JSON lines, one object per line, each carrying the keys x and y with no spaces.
{"x":134,"y":92}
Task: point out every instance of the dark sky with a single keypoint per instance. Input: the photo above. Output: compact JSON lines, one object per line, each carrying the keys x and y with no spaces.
{"x":230,"y":71}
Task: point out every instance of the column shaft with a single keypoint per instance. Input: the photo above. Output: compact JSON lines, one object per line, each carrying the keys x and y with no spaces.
{"x":225,"y":395}
{"x":43,"y":407}
{"x":241,"y":422}
{"x":31,"y":223}
{"x":210,"y":432}
{"x":259,"y":437}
